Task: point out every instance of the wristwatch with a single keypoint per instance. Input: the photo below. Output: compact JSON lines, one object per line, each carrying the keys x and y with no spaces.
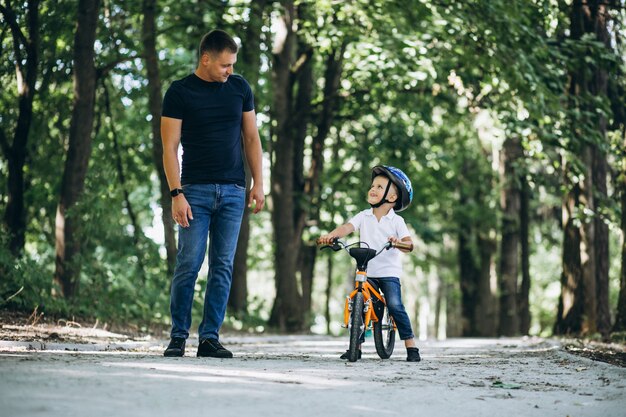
{"x":176,"y":191}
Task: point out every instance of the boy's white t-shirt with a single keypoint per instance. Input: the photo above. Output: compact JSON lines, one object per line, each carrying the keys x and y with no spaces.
{"x":376,"y":234}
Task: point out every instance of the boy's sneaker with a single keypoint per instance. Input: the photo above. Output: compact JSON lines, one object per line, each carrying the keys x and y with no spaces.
{"x":413,"y":354}
{"x":346,"y":355}
{"x":176,"y":347}
{"x":213,"y":348}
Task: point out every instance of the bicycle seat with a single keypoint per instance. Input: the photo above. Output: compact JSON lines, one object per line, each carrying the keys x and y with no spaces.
{"x":362,"y":256}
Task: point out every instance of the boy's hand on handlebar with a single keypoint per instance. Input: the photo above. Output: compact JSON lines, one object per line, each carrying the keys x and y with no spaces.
{"x":326,"y":239}
{"x":402,"y":245}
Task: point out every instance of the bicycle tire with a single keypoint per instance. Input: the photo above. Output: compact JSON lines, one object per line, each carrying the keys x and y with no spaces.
{"x":356,"y":326}
{"x":384,"y":334}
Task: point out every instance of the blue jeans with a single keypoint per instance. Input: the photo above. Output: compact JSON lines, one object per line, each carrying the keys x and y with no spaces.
{"x":391,"y":288}
{"x":217,"y":211}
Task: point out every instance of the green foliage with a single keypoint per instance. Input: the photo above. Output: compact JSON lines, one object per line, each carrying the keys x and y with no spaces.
{"x":25,"y":284}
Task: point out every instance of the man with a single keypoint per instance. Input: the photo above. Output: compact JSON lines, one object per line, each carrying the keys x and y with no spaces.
{"x":210,"y":112}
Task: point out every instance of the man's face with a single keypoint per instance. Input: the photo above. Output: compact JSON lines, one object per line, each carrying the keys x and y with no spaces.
{"x":377,"y":190}
{"x":217,"y":68}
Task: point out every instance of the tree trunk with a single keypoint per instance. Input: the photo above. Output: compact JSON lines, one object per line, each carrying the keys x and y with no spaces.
{"x":620,"y":319}
{"x":455,"y":321}
{"x":601,"y":247}
{"x":599,"y":88}
{"x":332,"y":78}
{"x":302,"y":87}
{"x":329,"y":291}
{"x":307,"y":271}
{"x":16,"y":152}
{"x":439,"y":300}
{"x":587,"y":247}
{"x":523,"y":304}
{"x":590,"y":18}
{"x":475,"y":254}
{"x":68,"y":245}
{"x":286,"y":312}
{"x":486,"y":308}
{"x":151,"y":59}
{"x":570,"y":310}
{"x":509,"y":250}
{"x":468,"y":272}
{"x":251,"y":61}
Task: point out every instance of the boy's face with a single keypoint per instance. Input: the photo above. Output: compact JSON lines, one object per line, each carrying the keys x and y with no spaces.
{"x":377,"y":190}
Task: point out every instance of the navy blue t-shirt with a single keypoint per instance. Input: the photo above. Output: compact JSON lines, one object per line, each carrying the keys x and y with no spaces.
{"x":211,"y":130}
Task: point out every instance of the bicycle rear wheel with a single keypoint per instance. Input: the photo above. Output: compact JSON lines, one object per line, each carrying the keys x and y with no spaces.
{"x":357,"y":326}
{"x":384,"y":334}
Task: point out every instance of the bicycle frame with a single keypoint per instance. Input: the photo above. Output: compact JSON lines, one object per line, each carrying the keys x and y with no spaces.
{"x":368,"y":290}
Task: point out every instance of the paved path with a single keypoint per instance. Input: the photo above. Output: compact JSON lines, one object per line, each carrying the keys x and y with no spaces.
{"x":303,"y":376}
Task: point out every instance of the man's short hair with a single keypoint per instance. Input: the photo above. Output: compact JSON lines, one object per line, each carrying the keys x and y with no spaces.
{"x":215,"y":42}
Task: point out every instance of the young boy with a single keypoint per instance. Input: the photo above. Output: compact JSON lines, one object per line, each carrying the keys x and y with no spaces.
{"x":390,"y":192}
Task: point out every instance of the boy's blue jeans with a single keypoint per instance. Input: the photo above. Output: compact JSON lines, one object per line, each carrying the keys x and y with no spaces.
{"x":217,"y":211}
{"x":392,"y":290}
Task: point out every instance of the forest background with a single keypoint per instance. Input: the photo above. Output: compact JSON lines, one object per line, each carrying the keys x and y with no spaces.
{"x":508,"y":116}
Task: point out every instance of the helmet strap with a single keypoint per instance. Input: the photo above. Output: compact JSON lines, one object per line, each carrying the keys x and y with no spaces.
{"x":383,"y":200}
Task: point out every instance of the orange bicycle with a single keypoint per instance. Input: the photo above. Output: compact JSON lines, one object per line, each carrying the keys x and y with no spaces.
{"x":365,"y":306}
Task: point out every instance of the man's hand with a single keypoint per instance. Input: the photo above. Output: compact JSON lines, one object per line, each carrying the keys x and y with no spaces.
{"x":181,"y":210}
{"x":257,"y":197}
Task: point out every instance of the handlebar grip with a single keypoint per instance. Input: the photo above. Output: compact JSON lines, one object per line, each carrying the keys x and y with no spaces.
{"x":334,"y":241}
{"x":335,"y":245}
{"x":402,"y":245}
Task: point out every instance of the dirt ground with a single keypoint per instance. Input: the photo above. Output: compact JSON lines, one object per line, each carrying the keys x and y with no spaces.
{"x":75,"y":371}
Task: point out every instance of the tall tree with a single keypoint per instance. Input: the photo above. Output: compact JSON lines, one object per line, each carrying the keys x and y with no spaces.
{"x":251,"y":62}
{"x":509,"y":249}
{"x":291,"y":142}
{"x":588,"y":81}
{"x":620,"y":318}
{"x":68,"y":244}
{"x":569,"y":313}
{"x":599,"y":167}
{"x":149,"y":36}
{"x":328,"y":106}
{"x":26,"y":55}
{"x":469,"y":270}
{"x":523,"y":300}
{"x":475,"y":252}
{"x":286,"y":312}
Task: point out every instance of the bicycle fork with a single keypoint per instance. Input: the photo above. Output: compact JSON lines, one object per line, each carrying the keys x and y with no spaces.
{"x":349,"y":307}
{"x":367,"y":312}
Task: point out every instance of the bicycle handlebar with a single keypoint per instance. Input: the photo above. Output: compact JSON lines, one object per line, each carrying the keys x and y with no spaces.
{"x":338,"y":245}
{"x":403,"y":245}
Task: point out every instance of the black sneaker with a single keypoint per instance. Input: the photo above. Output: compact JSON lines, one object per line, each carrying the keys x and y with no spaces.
{"x":213,"y":348}
{"x":413,"y":354}
{"x":346,"y":355}
{"x":176,"y":347}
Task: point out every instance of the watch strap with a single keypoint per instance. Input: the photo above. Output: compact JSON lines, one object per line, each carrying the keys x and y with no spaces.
{"x":176,"y":191}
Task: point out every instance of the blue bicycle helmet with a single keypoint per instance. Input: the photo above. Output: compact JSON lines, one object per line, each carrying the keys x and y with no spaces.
{"x":402,"y":183}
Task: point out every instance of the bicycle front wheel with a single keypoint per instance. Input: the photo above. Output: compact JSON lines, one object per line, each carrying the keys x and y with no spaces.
{"x":357,"y":326}
{"x":384,"y":334}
